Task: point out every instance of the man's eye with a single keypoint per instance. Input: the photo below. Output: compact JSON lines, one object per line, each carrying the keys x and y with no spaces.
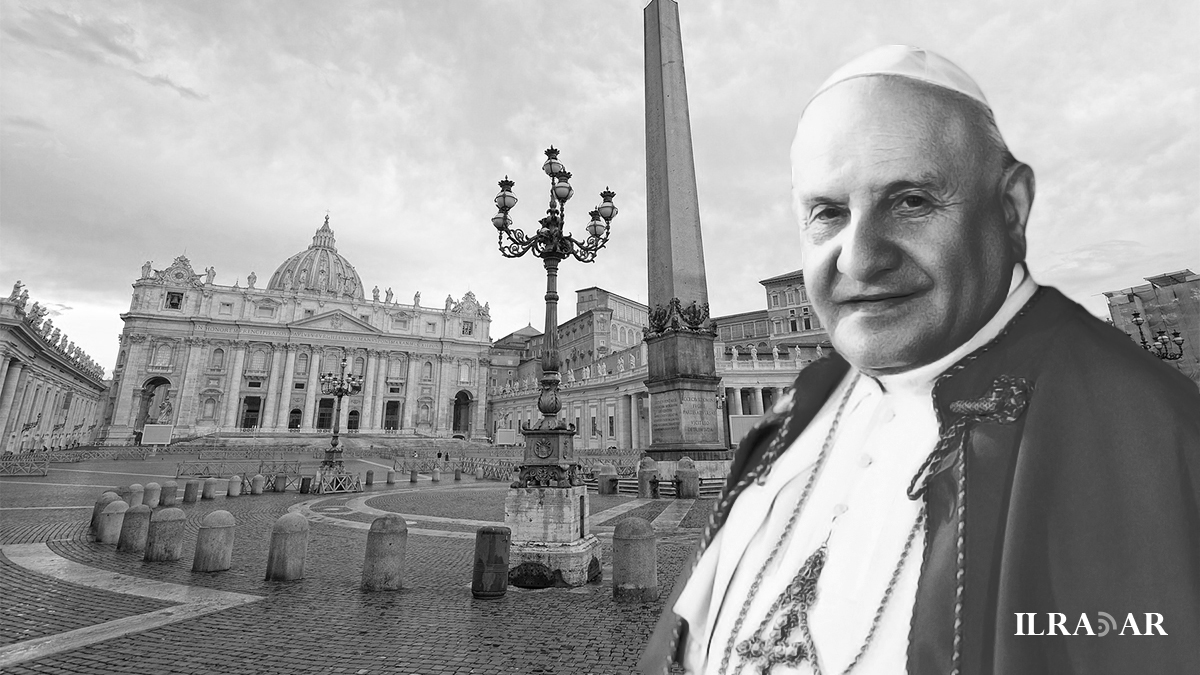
{"x":827,"y":213}
{"x":914,"y":204}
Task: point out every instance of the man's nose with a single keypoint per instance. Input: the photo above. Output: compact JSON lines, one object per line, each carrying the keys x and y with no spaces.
{"x":867,"y":250}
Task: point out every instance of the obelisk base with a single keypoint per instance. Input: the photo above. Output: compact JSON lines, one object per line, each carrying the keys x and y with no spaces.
{"x":551,"y":545}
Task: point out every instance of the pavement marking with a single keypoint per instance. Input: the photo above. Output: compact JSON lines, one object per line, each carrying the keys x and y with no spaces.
{"x":671,"y":516}
{"x":40,"y":508}
{"x":608,"y":514}
{"x":386,"y":466}
{"x":39,"y":484}
{"x":194,"y":601}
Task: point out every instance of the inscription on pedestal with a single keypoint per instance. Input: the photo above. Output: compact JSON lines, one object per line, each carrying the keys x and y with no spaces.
{"x":683,"y":416}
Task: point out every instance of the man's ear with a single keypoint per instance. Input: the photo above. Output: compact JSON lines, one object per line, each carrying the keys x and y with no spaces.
{"x":1017,"y":191}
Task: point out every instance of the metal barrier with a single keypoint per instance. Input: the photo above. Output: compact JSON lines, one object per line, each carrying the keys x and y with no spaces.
{"x":88,"y":454}
{"x":221,"y":469}
{"x":25,"y":464}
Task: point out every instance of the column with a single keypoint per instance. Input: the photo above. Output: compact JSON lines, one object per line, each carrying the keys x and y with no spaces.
{"x":8,"y":392}
{"x":271,"y":402}
{"x":284,"y":405}
{"x":633,"y":421}
{"x":233,"y":386}
{"x":411,"y":390}
{"x":135,"y":357}
{"x":735,"y":401}
{"x":310,"y":391}
{"x":439,"y":403}
{"x":193,"y":373}
{"x":367,"y":419}
{"x":756,"y":407}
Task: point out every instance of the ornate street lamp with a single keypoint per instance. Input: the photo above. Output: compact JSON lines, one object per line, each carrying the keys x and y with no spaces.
{"x":548,"y":458}
{"x":1160,"y":344}
{"x":332,"y":476}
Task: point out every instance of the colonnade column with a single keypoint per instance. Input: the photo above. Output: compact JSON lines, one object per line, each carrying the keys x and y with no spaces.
{"x":185,"y":397}
{"x":271,"y":401}
{"x":284,"y":405}
{"x":410,"y":390}
{"x":756,"y":406}
{"x":735,"y":400}
{"x":8,"y":391}
{"x":123,"y":415}
{"x":233,"y":387}
{"x":370,"y":375}
{"x":634,"y":441}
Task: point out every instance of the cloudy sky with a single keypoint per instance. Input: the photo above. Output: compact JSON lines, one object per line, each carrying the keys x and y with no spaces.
{"x":227,"y":130}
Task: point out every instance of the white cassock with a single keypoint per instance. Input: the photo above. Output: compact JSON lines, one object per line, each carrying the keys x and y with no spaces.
{"x":858,"y":507}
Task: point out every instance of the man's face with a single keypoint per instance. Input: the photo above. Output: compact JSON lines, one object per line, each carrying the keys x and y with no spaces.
{"x":906,"y":250}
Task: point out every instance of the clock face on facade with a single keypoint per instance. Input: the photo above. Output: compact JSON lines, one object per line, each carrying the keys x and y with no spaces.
{"x":179,"y":275}
{"x":542,"y":448}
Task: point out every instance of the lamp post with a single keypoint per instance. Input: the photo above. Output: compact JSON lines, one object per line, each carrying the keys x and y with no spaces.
{"x":1160,"y":344}
{"x":548,"y":460}
{"x":332,"y":476}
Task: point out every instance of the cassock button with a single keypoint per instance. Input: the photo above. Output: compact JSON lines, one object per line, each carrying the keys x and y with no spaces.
{"x":840,"y":509}
{"x":865,"y":461}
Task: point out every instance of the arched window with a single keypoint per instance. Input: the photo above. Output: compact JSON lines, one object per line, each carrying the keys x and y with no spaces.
{"x":258,"y":359}
{"x":359,"y":365}
{"x":396,"y":367}
{"x":464,"y":372}
{"x":210,"y":408}
{"x":121,"y":358}
{"x":427,"y":371}
{"x":218,"y":358}
{"x":162,"y":355}
{"x":302,"y":364}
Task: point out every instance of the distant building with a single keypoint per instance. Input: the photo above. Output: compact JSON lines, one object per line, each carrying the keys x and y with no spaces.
{"x":604,"y":367}
{"x":213,"y":359}
{"x":1168,"y":303}
{"x":50,"y":391}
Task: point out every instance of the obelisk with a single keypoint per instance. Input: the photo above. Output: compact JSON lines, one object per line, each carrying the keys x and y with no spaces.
{"x":682,"y":378}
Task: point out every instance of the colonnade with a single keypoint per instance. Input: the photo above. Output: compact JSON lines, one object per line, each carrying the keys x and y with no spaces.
{"x":43,"y":408}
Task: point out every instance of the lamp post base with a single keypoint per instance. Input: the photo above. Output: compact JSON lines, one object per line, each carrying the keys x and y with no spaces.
{"x":336,"y":479}
{"x":551,"y":545}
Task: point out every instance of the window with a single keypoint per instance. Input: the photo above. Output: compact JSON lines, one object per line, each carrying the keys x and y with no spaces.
{"x":162,"y":355}
{"x":807,"y":323}
{"x":393,"y":390}
{"x":174,"y":300}
{"x":792,"y":324}
{"x":774,"y":299}
{"x":399,"y":324}
{"x":302,"y":364}
{"x":210,"y":408}
{"x":298,"y":386}
{"x":468,"y":327}
{"x":612,"y":426}
{"x":308,"y":313}
{"x":365,"y":317}
{"x":803,"y":294}
{"x":427,"y":371}
{"x":218,"y":358}
{"x":430,"y":327}
{"x":359,"y":365}
{"x":264,"y":311}
{"x":791,"y":297}
{"x":595,"y":427}
{"x":464,"y":372}
{"x":254,"y":384}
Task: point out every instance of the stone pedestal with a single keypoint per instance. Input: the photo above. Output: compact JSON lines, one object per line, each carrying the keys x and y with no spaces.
{"x":551,"y":545}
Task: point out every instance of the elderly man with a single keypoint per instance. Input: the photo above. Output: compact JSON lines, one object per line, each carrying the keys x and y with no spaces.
{"x":984,"y":478}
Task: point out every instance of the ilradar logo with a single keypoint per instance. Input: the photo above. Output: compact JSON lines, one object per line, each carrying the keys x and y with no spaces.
{"x":1056,"y":624}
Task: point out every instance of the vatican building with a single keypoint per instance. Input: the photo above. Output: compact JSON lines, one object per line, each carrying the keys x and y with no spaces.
{"x":203,"y":359}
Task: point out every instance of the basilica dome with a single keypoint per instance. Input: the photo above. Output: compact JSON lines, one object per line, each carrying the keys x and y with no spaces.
{"x":318,"y":269}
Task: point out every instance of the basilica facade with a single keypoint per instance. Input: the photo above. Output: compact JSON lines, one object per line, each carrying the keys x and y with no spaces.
{"x":215,"y":359}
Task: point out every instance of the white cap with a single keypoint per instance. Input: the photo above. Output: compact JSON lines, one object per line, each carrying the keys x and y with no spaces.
{"x":913,"y":63}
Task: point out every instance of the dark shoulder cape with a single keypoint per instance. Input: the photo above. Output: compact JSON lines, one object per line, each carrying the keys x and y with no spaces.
{"x":1078,"y":496}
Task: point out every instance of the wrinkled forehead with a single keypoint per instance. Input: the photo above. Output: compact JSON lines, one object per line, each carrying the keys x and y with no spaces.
{"x":877,"y":129}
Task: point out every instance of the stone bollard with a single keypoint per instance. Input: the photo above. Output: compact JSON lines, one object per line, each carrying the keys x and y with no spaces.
{"x":214,"y":543}
{"x":124,"y":493}
{"x":191,"y":490}
{"x":647,"y":476}
{"x":170,"y":492}
{"x":457,"y":473}
{"x":209,"y":491}
{"x":152,"y":495}
{"x":306,"y":485}
{"x":256,"y":484}
{"x":164,"y":539}
{"x":108,"y":530}
{"x":104,"y":500}
{"x":137,"y":495}
{"x":234,"y":489}
{"x":280,"y":482}
{"x":391,"y":477}
{"x":370,"y":477}
{"x":479,"y":473}
{"x":606,"y":480}
{"x":687,"y":479}
{"x":635,"y":561}
{"x":289,"y":546}
{"x":412,"y":476}
{"x":383,"y":568}
{"x":134,"y":527}
{"x":437,"y":474}
{"x":490,"y":576}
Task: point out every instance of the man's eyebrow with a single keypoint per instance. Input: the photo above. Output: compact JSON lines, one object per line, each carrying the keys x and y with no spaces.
{"x":927,"y":181}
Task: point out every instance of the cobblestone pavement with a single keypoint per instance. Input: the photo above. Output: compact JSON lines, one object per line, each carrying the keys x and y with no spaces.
{"x":323,"y":623}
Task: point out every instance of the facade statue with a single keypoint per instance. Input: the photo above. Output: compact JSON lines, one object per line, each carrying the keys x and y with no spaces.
{"x":621,"y":365}
{"x":210,"y":273}
{"x":449,"y":302}
{"x":164,"y":412}
{"x":417,"y":299}
{"x":734,"y":350}
{"x":16,"y":291}
{"x":753,"y":353}
{"x":820,"y":352}
{"x":53,"y":339}
{"x":388,"y":296}
{"x":375,"y":294}
{"x":146,"y":269}
{"x":47,"y":326}
{"x":303,"y":277}
{"x":287,"y":278}
{"x":775,"y":352}
{"x":251,"y":279}
{"x":23,"y":299}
